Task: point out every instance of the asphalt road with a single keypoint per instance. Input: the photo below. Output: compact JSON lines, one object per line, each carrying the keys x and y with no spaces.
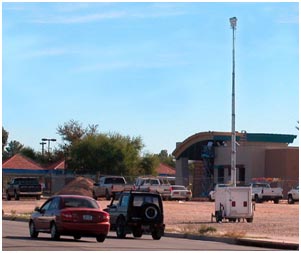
{"x":15,"y":237}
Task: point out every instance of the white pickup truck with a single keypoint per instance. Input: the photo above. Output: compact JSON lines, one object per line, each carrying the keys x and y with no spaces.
{"x":107,"y":185}
{"x":293,"y":195}
{"x":264,"y":192}
{"x":153,"y":184}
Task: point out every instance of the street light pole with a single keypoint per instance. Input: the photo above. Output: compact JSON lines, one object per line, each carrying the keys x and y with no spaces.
{"x":48,"y":140}
{"x":43,"y":143}
{"x":233,"y":135}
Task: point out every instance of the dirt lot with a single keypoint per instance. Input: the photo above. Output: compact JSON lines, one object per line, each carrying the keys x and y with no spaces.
{"x":271,"y":221}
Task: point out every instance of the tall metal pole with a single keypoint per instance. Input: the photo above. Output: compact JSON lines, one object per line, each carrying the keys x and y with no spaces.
{"x":233,"y":135}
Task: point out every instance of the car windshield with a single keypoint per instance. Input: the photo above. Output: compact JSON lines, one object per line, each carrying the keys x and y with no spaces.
{"x":114,"y":180}
{"x":27,"y":181}
{"x":79,"y":203}
{"x":140,"y":200}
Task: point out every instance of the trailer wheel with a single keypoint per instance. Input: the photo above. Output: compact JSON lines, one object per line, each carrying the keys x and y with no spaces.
{"x":276,"y":201}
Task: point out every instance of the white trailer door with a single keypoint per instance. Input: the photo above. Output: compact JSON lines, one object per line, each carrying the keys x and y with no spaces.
{"x":240,"y":202}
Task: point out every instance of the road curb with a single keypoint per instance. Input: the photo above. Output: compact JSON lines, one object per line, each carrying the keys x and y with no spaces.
{"x":240,"y":241}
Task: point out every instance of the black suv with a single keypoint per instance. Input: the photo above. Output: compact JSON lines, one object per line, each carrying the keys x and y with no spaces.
{"x":137,"y":213}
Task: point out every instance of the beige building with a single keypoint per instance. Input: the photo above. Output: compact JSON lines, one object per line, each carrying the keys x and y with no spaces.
{"x":204,"y":159}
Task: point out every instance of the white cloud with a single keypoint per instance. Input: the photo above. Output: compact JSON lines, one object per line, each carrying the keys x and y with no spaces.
{"x":78,"y":19}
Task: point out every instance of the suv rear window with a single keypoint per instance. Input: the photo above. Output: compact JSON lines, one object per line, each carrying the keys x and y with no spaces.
{"x":141,"y":200}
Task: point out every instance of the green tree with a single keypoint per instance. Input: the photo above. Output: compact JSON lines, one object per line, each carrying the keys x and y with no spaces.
{"x":105,"y":154}
{"x":4,"y":138}
{"x":148,"y":164}
{"x":29,"y":152}
{"x":166,"y":158}
{"x":13,"y":147}
{"x":73,"y":131}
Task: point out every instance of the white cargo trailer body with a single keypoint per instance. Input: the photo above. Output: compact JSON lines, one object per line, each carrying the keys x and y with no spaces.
{"x":234,"y":203}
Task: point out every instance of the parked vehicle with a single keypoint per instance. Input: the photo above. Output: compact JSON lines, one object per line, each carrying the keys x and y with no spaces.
{"x":211,"y":194}
{"x":154,"y":185}
{"x":137,"y":213}
{"x":179,"y":192}
{"x":107,"y":185}
{"x":293,"y":195}
{"x":70,"y":215}
{"x":23,"y":187}
{"x":264,"y":192}
{"x":233,"y":203}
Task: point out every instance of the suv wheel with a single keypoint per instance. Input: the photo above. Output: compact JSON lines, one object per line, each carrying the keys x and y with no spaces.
{"x":156,"y":234}
{"x":120,"y":228}
{"x":137,"y":232}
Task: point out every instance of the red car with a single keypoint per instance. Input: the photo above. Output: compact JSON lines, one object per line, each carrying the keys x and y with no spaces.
{"x":71,"y":215}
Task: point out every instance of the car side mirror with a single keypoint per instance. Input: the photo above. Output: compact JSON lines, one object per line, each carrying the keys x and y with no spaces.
{"x":37,"y":209}
{"x":96,"y":184}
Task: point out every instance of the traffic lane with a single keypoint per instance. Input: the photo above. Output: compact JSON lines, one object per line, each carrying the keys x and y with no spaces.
{"x":15,"y":237}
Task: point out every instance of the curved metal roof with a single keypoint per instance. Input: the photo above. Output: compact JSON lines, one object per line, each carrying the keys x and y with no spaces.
{"x":191,"y":147}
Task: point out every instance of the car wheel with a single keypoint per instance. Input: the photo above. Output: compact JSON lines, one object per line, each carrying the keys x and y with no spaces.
{"x":276,"y":201}
{"x":137,"y":232}
{"x":157,"y":234}
{"x":38,"y":197}
{"x":7,"y":196}
{"x":290,"y":200}
{"x":77,"y":237}
{"x":257,"y":200}
{"x":54,"y":233}
{"x":120,"y":228}
{"x":107,"y":195}
{"x":100,"y":238}
{"x":32,"y":230}
{"x":94,"y":196}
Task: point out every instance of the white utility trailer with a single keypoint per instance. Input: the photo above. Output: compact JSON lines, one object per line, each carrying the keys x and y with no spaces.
{"x":233,"y":203}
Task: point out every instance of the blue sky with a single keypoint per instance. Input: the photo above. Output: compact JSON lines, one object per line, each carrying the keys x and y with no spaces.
{"x":161,"y":71}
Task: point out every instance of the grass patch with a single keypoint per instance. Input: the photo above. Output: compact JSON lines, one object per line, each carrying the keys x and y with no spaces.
{"x":235,"y":234}
{"x":203,"y":230}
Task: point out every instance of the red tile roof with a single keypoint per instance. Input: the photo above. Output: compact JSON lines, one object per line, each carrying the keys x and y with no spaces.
{"x":60,"y":165}
{"x":21,"y":162}
{"x":164,"y":169}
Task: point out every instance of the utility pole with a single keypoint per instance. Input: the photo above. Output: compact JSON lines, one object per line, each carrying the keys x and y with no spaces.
{"x":42,"y":143}
{"x":233,"y":22}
